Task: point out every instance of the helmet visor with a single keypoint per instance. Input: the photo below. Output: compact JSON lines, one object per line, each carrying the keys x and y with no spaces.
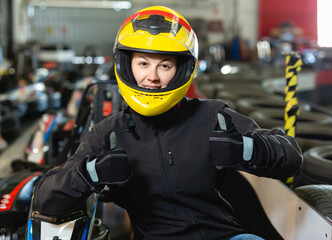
{"x":157,"y":31}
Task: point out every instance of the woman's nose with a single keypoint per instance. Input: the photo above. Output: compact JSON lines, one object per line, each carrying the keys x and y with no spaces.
{"x":153,"y":75}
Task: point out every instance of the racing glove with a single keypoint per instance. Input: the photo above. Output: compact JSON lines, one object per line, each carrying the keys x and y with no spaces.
{"x":109,"y":167}
{"x":230,"y":148}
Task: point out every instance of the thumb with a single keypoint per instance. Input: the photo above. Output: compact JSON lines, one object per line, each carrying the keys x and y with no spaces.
{"x":225,"y":122}
{"x":110,"y":140}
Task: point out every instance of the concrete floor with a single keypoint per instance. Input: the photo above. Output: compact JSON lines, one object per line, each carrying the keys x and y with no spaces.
{"x":15,"y":149}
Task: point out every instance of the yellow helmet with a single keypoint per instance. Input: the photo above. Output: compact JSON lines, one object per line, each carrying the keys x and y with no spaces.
{"x":157,"y":30}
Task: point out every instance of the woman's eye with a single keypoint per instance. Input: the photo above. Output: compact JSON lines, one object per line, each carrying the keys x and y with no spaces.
{"x":166,"y":66}
{"x":142,"y":63}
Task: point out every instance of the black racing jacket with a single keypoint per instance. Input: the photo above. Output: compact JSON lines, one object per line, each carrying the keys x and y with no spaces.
{"x":172,"y":193}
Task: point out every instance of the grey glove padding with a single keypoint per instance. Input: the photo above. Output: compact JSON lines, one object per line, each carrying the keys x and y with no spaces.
{"x":109,"y":167}
{"x":228,"y":146}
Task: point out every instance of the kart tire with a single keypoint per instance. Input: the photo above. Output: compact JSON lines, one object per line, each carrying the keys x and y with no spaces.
{"x":231,"y":104}
{"x":20,"y":165}
{"x":248,"y":105}
{"x":313,"y":135}
{"x":317,"y":166}
{"x":202,"y":78}
{"x":318,"y":196}
{"x":238,"y":78}
{"x":100,"y":231}
{"x":210,"y":89}
{"x":271,"y":118}
{"x":240,"y":93}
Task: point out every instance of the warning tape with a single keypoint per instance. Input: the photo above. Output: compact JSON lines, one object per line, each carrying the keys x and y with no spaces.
{"x":293,"y":66}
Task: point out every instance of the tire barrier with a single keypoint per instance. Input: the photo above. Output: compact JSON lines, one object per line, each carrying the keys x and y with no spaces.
{"x":243,"y":92}
{"x":236,"y":78}
{"x":271,"y":118}
{"x":231,"y":104}
{"x":235,"y":87}
{"x":246,"y":74}
{"x":202,"y":78}
{"x":313,"y":135}
{"x":210,"y":89}
{"x":316,"y":167}
{"x":249,"y":105}
{"x":319,"y":197}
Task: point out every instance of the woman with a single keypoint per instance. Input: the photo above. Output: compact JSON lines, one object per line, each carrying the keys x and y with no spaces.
{"x":162,"y":155}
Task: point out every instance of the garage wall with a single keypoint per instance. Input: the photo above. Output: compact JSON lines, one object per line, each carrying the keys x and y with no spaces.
{"x":302,"y":13}
{"x":237,"y":16}
{"x":81,"y":27}
{"x":4,"y":27}
{"x":78,"y":27}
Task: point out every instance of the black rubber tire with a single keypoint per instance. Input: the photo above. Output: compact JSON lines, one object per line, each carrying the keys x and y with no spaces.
{"x":20,"y":165}
{"x":317,"y":166}
{"x":238,"y":78}
{"x":270,"y":118}
{"x":210,"y":89}
{"x":249,"y":105}
{"x":313,"y":135}
{"x":231,"y":104}
{"x":318,"y":196}
{"x":243,"y":92}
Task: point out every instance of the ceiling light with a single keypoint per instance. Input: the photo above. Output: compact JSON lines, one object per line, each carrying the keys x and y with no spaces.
{"x":117,"y":5}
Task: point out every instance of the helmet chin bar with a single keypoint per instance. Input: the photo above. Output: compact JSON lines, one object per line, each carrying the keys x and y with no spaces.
{"x":152,"y":103}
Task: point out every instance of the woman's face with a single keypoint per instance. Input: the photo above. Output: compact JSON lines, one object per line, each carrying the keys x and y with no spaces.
{"x":153,"y":71}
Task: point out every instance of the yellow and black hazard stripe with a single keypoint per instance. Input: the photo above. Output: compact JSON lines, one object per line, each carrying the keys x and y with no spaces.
{"x":293,"y":66}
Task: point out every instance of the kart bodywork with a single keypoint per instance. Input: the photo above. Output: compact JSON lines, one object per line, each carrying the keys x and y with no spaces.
{"x":269,"y":208}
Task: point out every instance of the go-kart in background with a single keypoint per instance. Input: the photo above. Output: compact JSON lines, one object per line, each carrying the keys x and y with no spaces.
{"x":43,"y":80}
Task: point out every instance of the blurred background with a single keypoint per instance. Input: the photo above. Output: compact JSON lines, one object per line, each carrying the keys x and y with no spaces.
{"x":51,"y":50}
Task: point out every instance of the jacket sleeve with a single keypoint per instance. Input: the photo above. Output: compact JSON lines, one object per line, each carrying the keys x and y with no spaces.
{"x":275,"y":154}
{"x":62,"y":189}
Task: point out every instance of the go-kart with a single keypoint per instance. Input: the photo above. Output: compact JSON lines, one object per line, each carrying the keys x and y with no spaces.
{"x":266,"y":207}
{"x":99,"y":100}
{"x":10,"y":117}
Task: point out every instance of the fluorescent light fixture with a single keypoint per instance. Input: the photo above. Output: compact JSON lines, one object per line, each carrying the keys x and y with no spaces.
{"x":117,"y":5}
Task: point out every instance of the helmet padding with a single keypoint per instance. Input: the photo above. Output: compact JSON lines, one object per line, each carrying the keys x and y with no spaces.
{"x":185,"y":65}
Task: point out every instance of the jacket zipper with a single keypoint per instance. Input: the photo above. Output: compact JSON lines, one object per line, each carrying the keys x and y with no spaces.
{"x":170,"y":158}
{"x":161,"y":159}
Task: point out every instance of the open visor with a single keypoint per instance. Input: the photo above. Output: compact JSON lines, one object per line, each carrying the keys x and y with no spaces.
{"x":157,"y":31}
